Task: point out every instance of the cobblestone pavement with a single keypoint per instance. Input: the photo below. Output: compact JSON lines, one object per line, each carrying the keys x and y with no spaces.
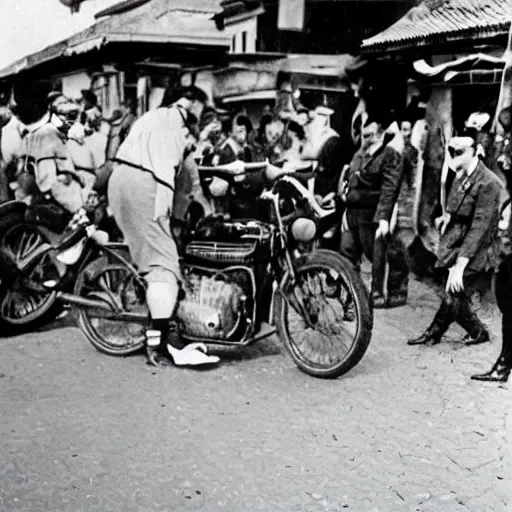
{"x":404,"y":431}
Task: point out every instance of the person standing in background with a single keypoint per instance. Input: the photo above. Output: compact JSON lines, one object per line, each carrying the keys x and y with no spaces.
{"x":390,"y":262}
{"x":5,"y":117}
{"x":373,"y":183}
{"x":96,"y":129}
{"x":120,"y":123}
{"x":468,"y":229}
{"x":407,"y":195}
{"x":237,"y":146}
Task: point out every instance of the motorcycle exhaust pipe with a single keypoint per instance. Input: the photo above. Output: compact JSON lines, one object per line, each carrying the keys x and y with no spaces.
{"x":83,"y":302}
{"x":110,"y":312}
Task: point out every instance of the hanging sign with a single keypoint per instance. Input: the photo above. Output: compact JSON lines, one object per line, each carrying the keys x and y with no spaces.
{"x":291,"y":15}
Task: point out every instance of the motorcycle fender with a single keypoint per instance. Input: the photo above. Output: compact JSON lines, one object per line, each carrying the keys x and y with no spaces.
{"x":11,"y":212}
{"x":299,"y":261}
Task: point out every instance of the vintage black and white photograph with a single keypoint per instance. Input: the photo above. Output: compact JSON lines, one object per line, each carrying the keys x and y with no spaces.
{"x":255,"y":255}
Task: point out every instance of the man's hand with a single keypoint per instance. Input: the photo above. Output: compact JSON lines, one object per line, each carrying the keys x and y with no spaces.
{"x":328,"y":202}
{"x":442,"y":222}
{"x":383,"y":229}
{"x":455,"y":283}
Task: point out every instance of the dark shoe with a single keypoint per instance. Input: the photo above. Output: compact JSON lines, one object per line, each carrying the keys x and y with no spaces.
{"x":396,"y":301}
{"x":482,"y":337}
{"x":429,"y":337}
{"x":469,"y":321}
{"x":155,"y":357}
{"x":155,"y":350}
{"x":442,"y":320}
{"x":498,"y":373}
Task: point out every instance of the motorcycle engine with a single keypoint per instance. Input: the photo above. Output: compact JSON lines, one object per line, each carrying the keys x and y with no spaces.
{"x":217,"y":305}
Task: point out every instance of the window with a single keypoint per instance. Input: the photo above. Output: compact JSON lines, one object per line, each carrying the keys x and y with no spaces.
{"x":244,"y":41}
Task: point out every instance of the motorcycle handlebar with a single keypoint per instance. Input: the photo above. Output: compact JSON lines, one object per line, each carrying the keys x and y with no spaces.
{"x":231,"y":173}
{"x":289,"y":182}
{"x":234,"y":173}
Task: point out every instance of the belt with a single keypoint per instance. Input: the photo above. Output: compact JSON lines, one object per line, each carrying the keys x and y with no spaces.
{"x":144,"y":169}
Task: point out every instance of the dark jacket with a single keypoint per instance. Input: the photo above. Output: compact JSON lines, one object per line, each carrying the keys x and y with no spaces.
{"x":228,"y":154}
{"x":473,"y":205}
{"x":331,"y":159}
{"x":375,"y":180}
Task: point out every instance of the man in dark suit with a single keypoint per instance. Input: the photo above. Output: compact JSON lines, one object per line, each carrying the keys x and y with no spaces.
{"x":502,"y":368}
{"x":468,"y":229}
{"x":373,"y":183}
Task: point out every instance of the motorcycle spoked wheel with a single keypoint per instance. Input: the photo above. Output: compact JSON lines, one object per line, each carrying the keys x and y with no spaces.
{"x":109,"y":335}
{"x":332,"y":345}
{"x":24,"y":304}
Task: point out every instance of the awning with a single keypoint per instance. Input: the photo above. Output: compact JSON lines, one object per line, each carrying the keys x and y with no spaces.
{"x":313,"y":72}
{"x":475,"y":68}
{"x":477,"y":76}
{"x":252,"y":96}
{"x":86,"y":46}
{"x":237,"y":81}
{"x":318,"y":65}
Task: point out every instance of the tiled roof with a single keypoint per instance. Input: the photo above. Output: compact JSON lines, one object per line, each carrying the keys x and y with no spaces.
{"x":160,"y":21}
{"x":440,"y":21}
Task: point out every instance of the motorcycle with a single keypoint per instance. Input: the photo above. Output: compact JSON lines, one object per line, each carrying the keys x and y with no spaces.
{"x":27,"y":236}
{"x":243,"y":280}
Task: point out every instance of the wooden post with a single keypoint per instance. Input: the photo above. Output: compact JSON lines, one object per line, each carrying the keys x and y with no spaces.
{"x":505,"y":97}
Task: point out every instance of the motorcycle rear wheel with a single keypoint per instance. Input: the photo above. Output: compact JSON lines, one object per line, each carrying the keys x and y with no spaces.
{"x":109,"y":335}
{"x":24,"y":304}
{"x":318,"y":349}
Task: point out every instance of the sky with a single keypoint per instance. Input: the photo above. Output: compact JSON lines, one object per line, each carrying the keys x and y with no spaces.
{"x":27,"y":26}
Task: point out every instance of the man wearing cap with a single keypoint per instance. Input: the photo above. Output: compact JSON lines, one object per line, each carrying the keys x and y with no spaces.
{"x":467,"y":228}
{"x":141,"y":193}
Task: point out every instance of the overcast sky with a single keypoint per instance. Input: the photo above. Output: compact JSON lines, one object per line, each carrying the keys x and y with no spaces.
{"x":27,"y":26}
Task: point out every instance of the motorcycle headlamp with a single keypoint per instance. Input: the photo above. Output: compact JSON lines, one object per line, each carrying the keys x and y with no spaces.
{"x":303,"y":230}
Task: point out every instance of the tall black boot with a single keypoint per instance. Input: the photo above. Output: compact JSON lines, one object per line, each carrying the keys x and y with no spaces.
{"x":442,"y":320}
{"x":503,"y":365}
{"x":499,"y":372}
{"x":467,"y":318}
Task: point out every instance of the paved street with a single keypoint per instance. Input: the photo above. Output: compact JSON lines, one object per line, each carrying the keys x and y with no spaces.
{"x":404,"y":431}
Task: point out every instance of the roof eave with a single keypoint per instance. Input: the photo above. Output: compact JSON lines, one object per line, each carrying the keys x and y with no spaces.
{"x":202,"y":40}
{"x":431,"y":40}
{"x":25,"y":64}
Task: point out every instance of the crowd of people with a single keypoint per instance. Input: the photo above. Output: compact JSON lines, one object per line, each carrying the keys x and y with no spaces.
{"x":63,"y":153}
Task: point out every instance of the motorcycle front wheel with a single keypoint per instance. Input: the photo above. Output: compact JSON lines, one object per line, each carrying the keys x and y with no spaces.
{"x":324,"y":318}
{"x":106,"y":330}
